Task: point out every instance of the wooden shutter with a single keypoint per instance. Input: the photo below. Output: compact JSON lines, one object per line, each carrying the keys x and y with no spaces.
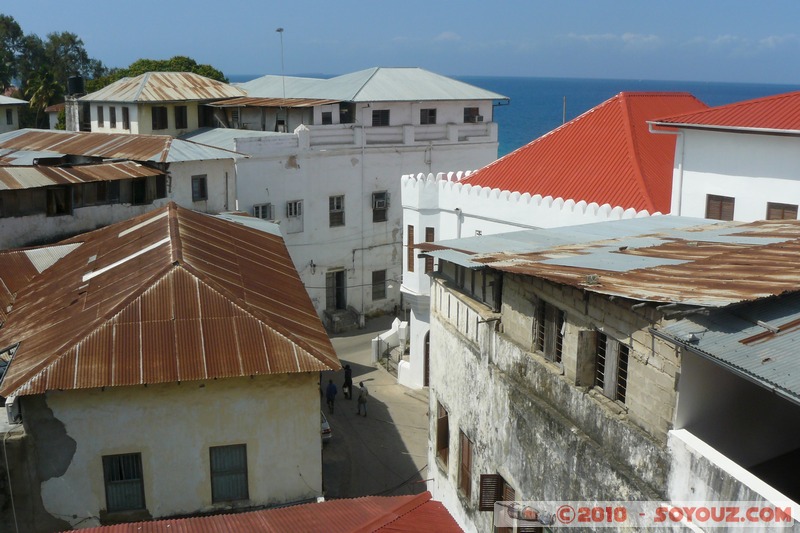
{"x":410,"y":256}
{"x":781,"y":211}
{"x":719,"y":207}
{"x":491,"y":491}
{"x":429,"y":233}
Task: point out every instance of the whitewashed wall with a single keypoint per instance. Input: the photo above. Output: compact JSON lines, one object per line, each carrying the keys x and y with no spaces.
{"x":173,"y":425}
{"x":754,"y":169}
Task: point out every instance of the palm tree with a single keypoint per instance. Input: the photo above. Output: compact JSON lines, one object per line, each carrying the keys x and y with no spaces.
{"x":42,"y":91}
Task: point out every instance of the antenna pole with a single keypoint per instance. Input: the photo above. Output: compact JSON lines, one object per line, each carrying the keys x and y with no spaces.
{"x":283,"y":77}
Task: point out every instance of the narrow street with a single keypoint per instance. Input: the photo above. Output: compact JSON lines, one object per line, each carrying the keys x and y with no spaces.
{"x":384,"y":453}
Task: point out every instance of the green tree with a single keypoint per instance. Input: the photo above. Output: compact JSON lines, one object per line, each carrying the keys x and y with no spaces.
{"x":43,"y":90}
{"x":10,"y":47}
{"x":141,"y":66}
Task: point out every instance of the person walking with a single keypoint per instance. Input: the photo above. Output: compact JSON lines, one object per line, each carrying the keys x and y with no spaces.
{"x":363,"y":393}
{"x":347,"y":388}
{"x":330,"y":395}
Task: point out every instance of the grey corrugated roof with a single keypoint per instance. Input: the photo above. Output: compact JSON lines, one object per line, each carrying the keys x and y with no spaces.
{"x":252,"y":222}
{"x":225,"y":138}
{"x":377,"y":84}
{"x":7,"y":100}
{"x":727,"y":338}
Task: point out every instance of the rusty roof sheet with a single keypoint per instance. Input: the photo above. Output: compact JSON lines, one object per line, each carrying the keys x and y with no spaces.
{"x":660,"y":259}
{"x":154,"y":148}
{"x":606,"y":156}
{"x":164,"y":87}
{"x":172,"y":295}
{"x":401,"y":514}
{"x":273,"y":102}
{"x":28,"y":177}
{"x":778,"y":114}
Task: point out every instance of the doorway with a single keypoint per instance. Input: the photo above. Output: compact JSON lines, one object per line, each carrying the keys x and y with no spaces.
{"x":426,"y":353}
{"x":335,"y":290}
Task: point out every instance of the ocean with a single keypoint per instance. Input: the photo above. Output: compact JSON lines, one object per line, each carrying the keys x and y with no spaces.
{"x":537,"y":104}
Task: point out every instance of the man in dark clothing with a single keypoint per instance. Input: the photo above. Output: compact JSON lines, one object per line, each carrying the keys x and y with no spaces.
{"x":330,"y":395}
{"x":362,"y":398}
{"x":347,"y":388}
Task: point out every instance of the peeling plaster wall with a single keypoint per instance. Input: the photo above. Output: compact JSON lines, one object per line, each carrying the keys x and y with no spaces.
{"x":527,"y":419}
{"x":173,"y":426}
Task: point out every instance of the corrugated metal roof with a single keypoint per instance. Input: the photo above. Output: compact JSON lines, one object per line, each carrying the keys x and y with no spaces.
{"x":252,"y":222}
{"x":372,"y":513}
{"x":7,"y":100}
{"x":606,"y":156}
{"x":164,"y":87}
{"x":172,"y":295}
{"x":155,"y":148}
{"x":225,"y":138}
{"x":377,"y":84}
{"x":272,"y":102}
{"x":779,"y":113}
{"x":735,"y":339}
{"x":659,"y":259}
{"x":24,"y":157}
{"x":19,"y":177}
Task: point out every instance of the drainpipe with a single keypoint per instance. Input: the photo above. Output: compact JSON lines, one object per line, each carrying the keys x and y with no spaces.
{"x":458,"y":222}
{"x":677,"y":185}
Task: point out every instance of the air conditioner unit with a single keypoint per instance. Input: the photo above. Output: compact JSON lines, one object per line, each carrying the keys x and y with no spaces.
{"x":478,"y":118}
{"x":379,"y":203}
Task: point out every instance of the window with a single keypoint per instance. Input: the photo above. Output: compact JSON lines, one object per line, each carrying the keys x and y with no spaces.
{"x":112,"y":117}
{"x":719,"y":207}
{"x":199,"y":190}
{"x":181,"y":117}
{"x":327,"y":117}
{"x":229,"y":473}
{"x":294,"y":208}
{"x":410,"y":252}
{"x":100,"y":118}
{"x":159,"y":117}
{"x":139,"y":191}
{"x":161,"y":186}
{"x":126,"y":118}
{"x":59,"y":201}
{"x":9,"y":116}
{"x":335,"y":211}
{"x":347,"y":112}
{"x":494,"y":489}
{"x":124,"y":482}
{"x":442,"y":433}
{"x":427,"y":116}
{"x":611,"y":367}
{"x":465,"y":466}
{"x":263,"y":211}
{"x":378,"y":285}
{"x":380,"y":117}
{"x":429,"y":232}
{"x":549,"y":332}
{"x":472,"y":114}
{"x":781,"y":211}
{"x":380,"y":206}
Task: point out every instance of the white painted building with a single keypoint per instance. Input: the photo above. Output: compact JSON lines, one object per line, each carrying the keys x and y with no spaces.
{"x":570,"y":176}
{"x":169,"y":393}
{"x":9,"y":113}
{"x":333,"y":183}
{"x":738,"y":161}
{"x":74,"y":182}
{"x":644,"y":359}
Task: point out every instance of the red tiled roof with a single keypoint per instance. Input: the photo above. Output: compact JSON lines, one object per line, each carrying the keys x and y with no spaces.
{"x":606,"y":156}
{"x":400,"y":514}
{"x":779,"y":112}
{"x":172,"y":295}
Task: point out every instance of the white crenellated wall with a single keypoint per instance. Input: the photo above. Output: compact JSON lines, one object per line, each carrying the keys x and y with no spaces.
{"x":456,"y":209}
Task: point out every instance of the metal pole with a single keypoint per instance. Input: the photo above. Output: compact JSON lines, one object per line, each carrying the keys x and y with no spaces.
{"x":283,"y":78}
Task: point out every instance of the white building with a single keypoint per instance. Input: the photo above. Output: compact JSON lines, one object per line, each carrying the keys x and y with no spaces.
{"x":333,"y":183}
{"x":738,"y":161}
{"x":155,"y":376}
{"x":646,"y":359}
{"x":9,"y":113}
{"x":570,"y":176}
{"x":55,"y":183}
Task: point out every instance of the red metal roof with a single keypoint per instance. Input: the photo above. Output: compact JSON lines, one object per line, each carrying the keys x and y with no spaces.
{"x":780,"y":112}
{"x":172,"y":295}
{"x":606,"y":156}
{"x":417,"y":514}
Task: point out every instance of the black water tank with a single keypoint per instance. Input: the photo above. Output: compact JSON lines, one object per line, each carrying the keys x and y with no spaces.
{"x":75,"y":85}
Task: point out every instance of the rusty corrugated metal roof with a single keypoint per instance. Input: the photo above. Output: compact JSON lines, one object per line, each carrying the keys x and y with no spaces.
{"x":172,"y":295}
{"x":273,"y":102}
{"x":606,"y":156}
{"x":28,"y":177}
{"x":669,"y":259}
{"x":402,"y":514}
{"x":155,"y":148}
{"x":777,"y":113}
{"x":164,"y":87}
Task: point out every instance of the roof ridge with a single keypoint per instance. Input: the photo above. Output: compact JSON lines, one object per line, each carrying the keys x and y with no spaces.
{"x":392,"y":515}
{"x":142,"y":84}
{"x":374,"y":72}
{"x":633,"y":150}
{"x":733,"y":105}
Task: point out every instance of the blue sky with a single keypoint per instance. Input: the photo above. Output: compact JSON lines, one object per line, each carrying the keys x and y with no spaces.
{"x":694,"y":40}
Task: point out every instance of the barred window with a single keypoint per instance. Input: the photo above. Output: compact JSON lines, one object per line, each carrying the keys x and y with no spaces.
{"x":336,"y":211}
{"x":611,"y":367}
{"x":549,"y":332}
{"x":124,"y":482}
{"x":229,"y":473}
